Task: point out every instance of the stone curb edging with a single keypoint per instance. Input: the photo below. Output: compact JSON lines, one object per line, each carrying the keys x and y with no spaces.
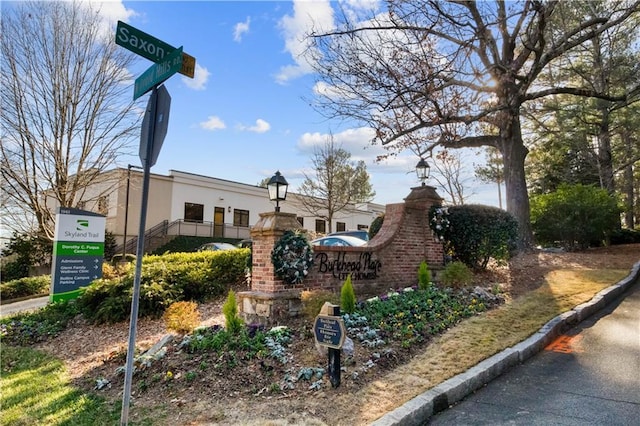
{"x":417,"y":410}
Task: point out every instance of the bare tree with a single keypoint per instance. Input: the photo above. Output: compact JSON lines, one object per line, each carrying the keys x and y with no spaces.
{"x":66,"y":107}
{"x":492,"y":171}
{"x":441,"y":71}
{"x":337,"y":182}
{"x":449,"y":175}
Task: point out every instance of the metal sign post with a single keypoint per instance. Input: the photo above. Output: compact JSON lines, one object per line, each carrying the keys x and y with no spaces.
{"x":133,"y":323}
{"x":168,"y":60}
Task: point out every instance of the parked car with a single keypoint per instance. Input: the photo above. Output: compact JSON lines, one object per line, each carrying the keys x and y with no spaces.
{"x":363,"y":235}
{"x":245,"y":243}
{"x":339,"y":241}
{"x":216,"y":246}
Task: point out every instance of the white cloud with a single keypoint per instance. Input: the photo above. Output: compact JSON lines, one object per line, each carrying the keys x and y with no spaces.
{"x":307,"y":15}
{"x":261,"y":126}
{"x":199,"y":80}
{"x":213,"y":123}
{"x":111,"y":11}
{"x":240,"y":28}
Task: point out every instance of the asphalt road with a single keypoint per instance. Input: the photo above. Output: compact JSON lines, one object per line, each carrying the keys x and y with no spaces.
{"x":23,"y":306}
{"x":590,"y":375}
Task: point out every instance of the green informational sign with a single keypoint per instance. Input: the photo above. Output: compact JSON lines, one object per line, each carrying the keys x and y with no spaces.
{"x":78,"y":252}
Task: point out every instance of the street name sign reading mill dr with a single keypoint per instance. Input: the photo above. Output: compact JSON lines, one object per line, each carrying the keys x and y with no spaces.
{"x":168,"y":60}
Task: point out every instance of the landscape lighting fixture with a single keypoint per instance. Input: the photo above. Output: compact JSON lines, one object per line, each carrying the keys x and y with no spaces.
{"x":422,"y":170}
{"x":277,"y":187}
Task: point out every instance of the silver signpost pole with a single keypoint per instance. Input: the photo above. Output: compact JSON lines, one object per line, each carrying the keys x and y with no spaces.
{"x":124,"y":418}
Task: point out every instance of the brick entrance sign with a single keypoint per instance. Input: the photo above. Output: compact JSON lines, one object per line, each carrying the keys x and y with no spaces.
{"x":389,"y":261}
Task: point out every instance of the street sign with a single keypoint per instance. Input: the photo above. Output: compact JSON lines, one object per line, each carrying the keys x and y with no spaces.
{"x":151,"y":48}
{"x":329,"y":331}
{"x":159,"y":104}
{"x":158,"y":73}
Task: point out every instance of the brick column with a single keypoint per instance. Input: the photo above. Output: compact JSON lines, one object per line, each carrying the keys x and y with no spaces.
{"x":269,"y":298}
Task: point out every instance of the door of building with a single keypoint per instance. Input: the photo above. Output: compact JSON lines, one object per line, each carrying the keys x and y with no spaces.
{"x":218,"y":222}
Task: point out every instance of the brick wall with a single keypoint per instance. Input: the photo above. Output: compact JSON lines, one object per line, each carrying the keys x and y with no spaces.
{"x":390,"y":260}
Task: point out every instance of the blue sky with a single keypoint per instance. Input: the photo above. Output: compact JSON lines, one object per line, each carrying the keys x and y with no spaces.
{"x":246,"y":113}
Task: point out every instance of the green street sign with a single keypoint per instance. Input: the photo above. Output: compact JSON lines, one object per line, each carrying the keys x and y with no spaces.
{"x":158,"y":73}
{"x":151,"y":48}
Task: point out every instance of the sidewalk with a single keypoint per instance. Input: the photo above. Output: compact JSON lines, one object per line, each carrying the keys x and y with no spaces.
{"x":418,"y":410}
{"x":23,"y":306}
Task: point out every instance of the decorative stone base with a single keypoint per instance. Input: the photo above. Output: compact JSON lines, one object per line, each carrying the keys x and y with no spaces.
{"x":267,"y":308}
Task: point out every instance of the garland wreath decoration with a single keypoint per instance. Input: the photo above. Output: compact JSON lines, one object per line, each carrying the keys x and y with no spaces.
{"x":439,"y":221}
{"x":292,"y":257}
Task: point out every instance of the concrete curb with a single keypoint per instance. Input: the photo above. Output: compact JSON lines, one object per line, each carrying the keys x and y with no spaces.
{"x":422,"y":407}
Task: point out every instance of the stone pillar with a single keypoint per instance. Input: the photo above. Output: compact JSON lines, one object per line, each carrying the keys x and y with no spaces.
{"x":269,"y":298}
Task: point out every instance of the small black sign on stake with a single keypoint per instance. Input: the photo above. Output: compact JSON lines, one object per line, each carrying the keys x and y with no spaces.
{"x":329,"y":331}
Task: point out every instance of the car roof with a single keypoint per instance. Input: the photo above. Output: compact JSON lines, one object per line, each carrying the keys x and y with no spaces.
{"x":355,"y":241}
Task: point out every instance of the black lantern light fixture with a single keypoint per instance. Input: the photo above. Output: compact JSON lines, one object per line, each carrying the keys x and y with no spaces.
{"x":277,"y":187}
{"x":422,"y":170}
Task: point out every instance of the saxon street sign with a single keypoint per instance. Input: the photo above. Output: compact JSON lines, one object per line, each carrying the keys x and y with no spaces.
{"x":151,"y":48}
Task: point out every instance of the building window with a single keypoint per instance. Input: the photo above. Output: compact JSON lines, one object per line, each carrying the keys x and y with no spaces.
{"x":341,"y":226}
{"x":363,"y":227}
{"x":193,"y":212}
{"x":241,"y":218}
{"x":321,"y":226}
{"x":300,"y":220}
{"x":103,"y":205}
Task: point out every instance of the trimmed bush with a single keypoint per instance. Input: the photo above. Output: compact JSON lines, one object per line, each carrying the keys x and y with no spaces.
{"x":424,"y":276}
{"x":456,"y":275}
{"x":574,"y":217}
{"x":474,"y":234}
{"x":182,"y":317}
{"x":347,"y":296}
{"x":25,"y":287}
{"x":625,"y":236}
{"x":164,"y":280}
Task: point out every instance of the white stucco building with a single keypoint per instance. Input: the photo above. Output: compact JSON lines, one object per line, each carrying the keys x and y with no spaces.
{"x":182,"y":203}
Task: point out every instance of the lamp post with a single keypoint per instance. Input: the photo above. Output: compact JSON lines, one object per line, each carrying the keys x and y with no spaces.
{"x":126,"y":209}
{"x":277,"y":187}
{"x":422,"y":170}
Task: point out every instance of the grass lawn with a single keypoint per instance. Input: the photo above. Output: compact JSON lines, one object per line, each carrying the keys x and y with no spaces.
{"x":35,"y":391}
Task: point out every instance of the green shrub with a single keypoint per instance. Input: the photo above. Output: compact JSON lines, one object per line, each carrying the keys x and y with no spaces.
{"x":574,"y":216}
{"x":164,"y":280}
{"x":347,"y":296}
{"x":474,"y":234}
{"x":107,"y":301}
{"x":424,"y":276}
{"x":233,"y":322}
{"x":186,"y":244}
{"x":25,"y":287}
{"x":625,"y":236}
{"x":376,"y":225}
{"x":456,"y":275}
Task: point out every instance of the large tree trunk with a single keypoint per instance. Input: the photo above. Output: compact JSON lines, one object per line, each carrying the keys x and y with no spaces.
{"x":513,"y":155}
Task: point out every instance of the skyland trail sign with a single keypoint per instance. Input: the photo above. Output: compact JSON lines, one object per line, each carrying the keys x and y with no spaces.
{"x":151,"y":48}
{"x":78,"y":252}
